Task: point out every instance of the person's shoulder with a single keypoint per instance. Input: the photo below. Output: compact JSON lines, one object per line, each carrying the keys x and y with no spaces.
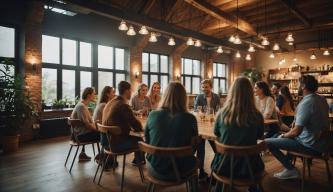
{"x":215,"y":95}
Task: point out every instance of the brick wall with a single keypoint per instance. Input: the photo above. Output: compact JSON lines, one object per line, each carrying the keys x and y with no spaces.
{"x":176,"y":59}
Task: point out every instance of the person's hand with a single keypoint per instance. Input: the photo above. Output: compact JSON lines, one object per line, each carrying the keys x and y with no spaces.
{"x":281,"y":136}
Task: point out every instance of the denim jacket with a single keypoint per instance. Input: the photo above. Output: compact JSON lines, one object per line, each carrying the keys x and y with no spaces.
{"x":200,"y":100}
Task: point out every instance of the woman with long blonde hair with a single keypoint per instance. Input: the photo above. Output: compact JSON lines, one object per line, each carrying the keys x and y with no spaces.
{"x":140,"y":103}
{"x":239,"y":123}
{"x":171,"y":125}
{"x":154,"y":95}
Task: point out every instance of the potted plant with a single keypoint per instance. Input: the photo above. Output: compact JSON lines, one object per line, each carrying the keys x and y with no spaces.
{"x":15,"y":107}
{"x":253,"y":74}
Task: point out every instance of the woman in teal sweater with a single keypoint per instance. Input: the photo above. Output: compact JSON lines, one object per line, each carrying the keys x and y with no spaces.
{"x":171,"y":126}
{"x":239,"y":123}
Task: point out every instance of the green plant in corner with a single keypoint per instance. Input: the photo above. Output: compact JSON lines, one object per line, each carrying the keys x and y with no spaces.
{"x":15,"y":104}
{"x":253,"y":74}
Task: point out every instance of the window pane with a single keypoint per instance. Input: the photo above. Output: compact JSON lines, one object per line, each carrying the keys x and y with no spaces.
{"x":196,"y":85}
{"x":120,"y":59}
{"x":164,"y":82}
{"x":104,"y":79}
{"x":68,"y":52}
{"x":219,"y":70}
{"x":145,"y":61}
{"x":153,"y":63}
{"x":85,"y":80}
{"x":85,"y":54}
{"x":225,"y":67}
{"x":68,"y":84}
{"x":182,"y":66}
{"x":196,"y":67}
{"x":49,"y":85}
{"x":8,"y":69}
{"x":214,"y":69}
{"x":145,"y":79}
{"x":216,"y":85}
{"x":119,"y":77}
{"x":50,"y":49}
{"x":7,"y":42}
{"x":153,"y":78}
{"x":164,"y":64}
{"x":188,"y":66}
{"x":105,"y":57}
{"x":223,"y":86}
{"x":188,"y":84}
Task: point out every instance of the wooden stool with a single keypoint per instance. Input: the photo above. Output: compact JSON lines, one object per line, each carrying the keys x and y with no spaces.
{"x":238,"y":151}
{"x":74,"y":123}
{"x":172,"y":153}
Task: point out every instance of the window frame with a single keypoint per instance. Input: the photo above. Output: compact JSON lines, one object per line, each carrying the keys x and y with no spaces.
{"x":18,"y":65}
{"x":158,"y":73}
{"x":219,"y":78}
{"x":183,"y":75}
{"x":77,"y":68}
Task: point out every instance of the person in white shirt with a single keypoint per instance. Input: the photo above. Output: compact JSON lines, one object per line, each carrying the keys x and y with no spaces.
{"x":266,"y":105}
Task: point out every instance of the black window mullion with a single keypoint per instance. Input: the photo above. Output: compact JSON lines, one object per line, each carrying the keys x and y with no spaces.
{"x":94,"y":65}
{"x":59,"y":77}
{"x":77,"y":71}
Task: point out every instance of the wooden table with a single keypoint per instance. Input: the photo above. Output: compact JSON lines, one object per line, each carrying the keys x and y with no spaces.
{"x":205,"y":128}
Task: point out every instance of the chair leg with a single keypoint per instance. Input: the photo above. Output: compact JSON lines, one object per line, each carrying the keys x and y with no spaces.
{"x":93,"y":147}
{"x":104,"y":164}
{"x":216,"y":186}
{"x":328,"y":170}
{"x":223,"y":187}
{"x":100,"y":163}
{"x":69,"y":152}
{"x":303,"y":174}
{"x":187,"y":186}
{"x":123,"y":174}
{"x":77,"y":149}
{"x":114,"y":163}
{"x":210,"y":182}
{"x":149,"y":187}
{"x":309,"y":167}
{"x":141,"y":174}
{"x":98,"y":148}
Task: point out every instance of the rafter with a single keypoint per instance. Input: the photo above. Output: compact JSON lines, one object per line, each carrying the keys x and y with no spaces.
{"x":222,"y":15}
{"x":296,"y":12}
{"x":147,"y":6}
{"x":172,"y":9}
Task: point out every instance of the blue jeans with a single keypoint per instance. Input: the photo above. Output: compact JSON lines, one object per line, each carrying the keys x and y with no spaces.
{"x":276,"y":144}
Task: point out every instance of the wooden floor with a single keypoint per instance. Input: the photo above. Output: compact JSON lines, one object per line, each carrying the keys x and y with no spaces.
{"x":39,"y":166}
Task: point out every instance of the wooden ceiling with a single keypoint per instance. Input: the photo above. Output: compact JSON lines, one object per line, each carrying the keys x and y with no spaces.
{"x":218,"y":18}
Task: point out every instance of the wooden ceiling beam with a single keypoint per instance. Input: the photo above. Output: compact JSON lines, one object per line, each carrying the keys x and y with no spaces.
{"x":232,"y":5}
{"x":147,"y":6}
{"x":156,"y":24}
{"x":174,"y":7}
{"x":292,"y":7}
{"x":231,"y":19}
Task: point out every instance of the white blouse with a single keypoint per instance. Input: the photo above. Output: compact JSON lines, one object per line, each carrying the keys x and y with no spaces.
{"x":266,"y":107}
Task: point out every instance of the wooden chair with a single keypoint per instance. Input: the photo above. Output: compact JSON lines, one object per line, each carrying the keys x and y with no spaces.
{"x":306,"y":158}
{"x":237,"y":151}
{"x":114,"y":130}
{"x":76,"y":143}
{"x":172,"y":153}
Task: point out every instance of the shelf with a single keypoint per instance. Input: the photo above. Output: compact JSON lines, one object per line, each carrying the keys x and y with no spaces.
{"x":325,"y":84}
{"x":282,"y":79}
{"x":325,"y":71}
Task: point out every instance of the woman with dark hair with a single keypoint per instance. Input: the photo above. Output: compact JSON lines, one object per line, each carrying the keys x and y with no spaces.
{"x":285,"y":106}
{"x":107,"y":94}
{"x":266,"y":105}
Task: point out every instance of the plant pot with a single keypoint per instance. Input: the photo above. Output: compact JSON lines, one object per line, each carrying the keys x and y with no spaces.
{"x":10,"y":144}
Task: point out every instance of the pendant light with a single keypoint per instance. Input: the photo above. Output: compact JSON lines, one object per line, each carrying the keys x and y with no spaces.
{"x":143,"y":30}
{"x":276,"y":47}
{"x":291,"y":43}
{"x":264,"y":41}
{"x":171,"y":41}
{"x":238,"y":55}
{"x":190,"y":41}
{"x":251,"y":48}
{"x":123,"y":26}
{"x":219,"y":49}
{"x":248,"y":57}
{"x":197,"y":43}
{"x":237,"y":40}
{"x":131,"y":31}
{"x":326,"y":52}
{"x":152,"y":37}
{"x":272,"y":56}
{"x":232,"y":38}
{"x":313,"y":56}
{"x":290,"y":37}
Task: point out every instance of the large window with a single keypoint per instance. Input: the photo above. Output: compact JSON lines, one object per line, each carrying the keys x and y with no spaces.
{"x":70,"y":65}
{"x":155,"y":67}
{"x":191,"y":70}
{"x":220,"y":75}
{"x":7,"y":50}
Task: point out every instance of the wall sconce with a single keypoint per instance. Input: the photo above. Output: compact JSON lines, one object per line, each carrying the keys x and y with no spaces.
{"x":136,"y":75}
{"x":178,"y":77}
{"x":34,"y":67}
{"x":209,"y":76}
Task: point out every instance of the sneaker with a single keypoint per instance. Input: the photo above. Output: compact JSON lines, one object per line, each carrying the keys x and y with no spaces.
{"x":84,"y":157}
{"x":287,"y":174}
{"x":203,"y":176}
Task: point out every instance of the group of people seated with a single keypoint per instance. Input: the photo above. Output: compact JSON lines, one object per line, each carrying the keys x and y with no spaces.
{"x":239,"y":122}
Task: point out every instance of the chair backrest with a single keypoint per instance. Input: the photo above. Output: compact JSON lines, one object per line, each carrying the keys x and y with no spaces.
{"x":74,"y":123}
{"x":240,"y":150}
{"x":112,"y":130}
{"x":168,"y":152}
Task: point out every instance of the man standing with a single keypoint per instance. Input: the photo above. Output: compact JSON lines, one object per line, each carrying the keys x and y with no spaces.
{"x":117,"y":112}
{"x":207,"y":100}
{"x":307,"y":135}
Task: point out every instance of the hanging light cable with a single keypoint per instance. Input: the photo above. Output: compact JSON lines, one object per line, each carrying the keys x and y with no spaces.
{"x":265,"y":41}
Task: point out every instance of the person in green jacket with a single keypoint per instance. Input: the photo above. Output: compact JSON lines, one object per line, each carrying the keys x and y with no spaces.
{"x":171,"y":125}
{"x":239,"y":123}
